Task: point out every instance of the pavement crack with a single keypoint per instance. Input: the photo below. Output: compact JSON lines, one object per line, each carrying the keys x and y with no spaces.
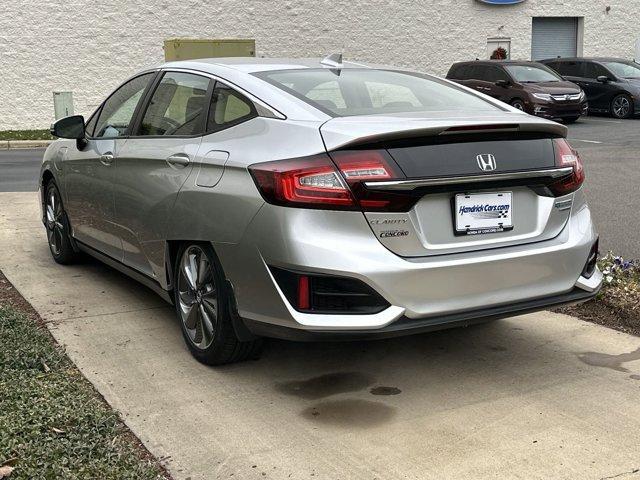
{"x":107,"y":314}
{"x":623,"y":474}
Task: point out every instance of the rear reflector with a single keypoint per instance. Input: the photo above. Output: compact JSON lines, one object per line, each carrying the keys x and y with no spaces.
{"x":567,"y":156}
{"x":303,"y":292}
{"x":327,"y":293}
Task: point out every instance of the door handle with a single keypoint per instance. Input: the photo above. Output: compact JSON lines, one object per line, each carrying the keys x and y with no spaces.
{"x":178,"y":160}
{"x":106,"y":158}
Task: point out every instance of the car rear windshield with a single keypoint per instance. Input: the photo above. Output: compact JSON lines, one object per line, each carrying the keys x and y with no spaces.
{"x":624,"y":69}
{"x":357,"y":91}
{"x":531,"y":74}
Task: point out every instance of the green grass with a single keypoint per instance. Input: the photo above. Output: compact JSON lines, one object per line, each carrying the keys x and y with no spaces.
{"x":52,"y":421}
{"x":25,"y":135}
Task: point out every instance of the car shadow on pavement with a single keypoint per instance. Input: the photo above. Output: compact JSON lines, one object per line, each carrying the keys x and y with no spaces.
{"x":365,"y":384}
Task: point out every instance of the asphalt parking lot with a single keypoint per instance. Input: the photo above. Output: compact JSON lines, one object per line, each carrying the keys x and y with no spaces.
{"x":610,"y":149}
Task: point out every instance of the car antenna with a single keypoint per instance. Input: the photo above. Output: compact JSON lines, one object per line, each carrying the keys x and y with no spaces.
{"x":334,"y":61}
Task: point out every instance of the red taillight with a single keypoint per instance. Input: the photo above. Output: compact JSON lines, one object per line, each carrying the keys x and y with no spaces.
{"x":567,"y":156}
{"x":315,"y":182}
{"x":360,"y":166}
{"x":312,"y":182}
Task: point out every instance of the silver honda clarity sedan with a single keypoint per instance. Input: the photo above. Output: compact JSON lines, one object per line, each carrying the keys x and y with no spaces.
{"x":320,"y":199}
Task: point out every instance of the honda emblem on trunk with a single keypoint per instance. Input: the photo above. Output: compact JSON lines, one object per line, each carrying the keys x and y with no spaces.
{"x":486,"y":162}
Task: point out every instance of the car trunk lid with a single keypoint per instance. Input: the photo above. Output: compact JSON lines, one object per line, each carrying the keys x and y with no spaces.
{"x":500,"y":163}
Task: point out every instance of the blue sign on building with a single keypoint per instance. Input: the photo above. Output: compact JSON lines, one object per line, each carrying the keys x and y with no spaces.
{"x":501,"y":2}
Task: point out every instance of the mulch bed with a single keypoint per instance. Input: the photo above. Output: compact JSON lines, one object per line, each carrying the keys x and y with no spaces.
{"x":601,"y":312}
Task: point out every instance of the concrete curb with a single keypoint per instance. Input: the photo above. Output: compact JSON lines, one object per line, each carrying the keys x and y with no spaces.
{"x":13,"y":144}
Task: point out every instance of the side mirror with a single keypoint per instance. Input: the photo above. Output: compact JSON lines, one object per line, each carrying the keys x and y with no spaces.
{"x":503,"y":83}
{"x":69,"y":127}
{"x":603,"y":79}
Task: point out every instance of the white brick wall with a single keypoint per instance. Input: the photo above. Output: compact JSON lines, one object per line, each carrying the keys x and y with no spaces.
{"x":89,"y":47}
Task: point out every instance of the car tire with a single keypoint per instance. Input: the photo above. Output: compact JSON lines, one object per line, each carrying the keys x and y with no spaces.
{"x":622,"y":106}
{"x":57,"y":225}
{"x":570,"y":119}
{"x":204,"y":308}
{"x":517,"y":103}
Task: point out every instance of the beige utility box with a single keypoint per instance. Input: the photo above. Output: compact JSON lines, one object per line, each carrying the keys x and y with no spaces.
{"x":188,"y":48}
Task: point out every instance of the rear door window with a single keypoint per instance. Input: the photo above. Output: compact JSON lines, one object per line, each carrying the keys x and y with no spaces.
{"x":177,"y":106}
{"x":594,"y":70}
{"x":458,"y":72}
{"x":481,"y":72}
{"x":228,"y":107}
{"x":493,"y":74}
{"x":465,"y":72}
{"x":569,"y":69}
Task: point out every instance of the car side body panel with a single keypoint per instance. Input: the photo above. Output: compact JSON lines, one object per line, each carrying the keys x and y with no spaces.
{"x":220,"y":213}
{"x":145,"y":190}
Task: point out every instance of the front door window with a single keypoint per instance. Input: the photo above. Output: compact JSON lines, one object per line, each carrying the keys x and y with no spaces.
{"x":117,"y":112}
{"x":177,"y":107}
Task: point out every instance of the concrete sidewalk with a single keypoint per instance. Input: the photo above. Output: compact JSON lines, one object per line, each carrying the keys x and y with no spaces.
{"x":539,"y":396}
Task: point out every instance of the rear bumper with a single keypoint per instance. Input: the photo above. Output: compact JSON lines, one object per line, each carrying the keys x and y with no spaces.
{"x":407,"y":326}
{"x":423,"y":292}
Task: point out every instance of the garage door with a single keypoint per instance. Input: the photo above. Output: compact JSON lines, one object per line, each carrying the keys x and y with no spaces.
{"x":554,"y":37}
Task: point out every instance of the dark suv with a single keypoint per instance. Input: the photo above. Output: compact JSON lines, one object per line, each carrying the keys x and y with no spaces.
{"x":528,"y":86}
{"x":612,"y":85}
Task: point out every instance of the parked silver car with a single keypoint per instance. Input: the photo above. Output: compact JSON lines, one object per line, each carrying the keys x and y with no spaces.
{"x":311,"y":199}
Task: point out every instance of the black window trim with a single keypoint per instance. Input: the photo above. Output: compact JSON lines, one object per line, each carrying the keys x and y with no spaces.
{"x":96,"y":114}
{"x":139,"y":104}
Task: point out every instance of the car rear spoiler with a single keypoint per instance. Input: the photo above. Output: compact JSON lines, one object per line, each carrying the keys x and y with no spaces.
{"x":349,"y":132}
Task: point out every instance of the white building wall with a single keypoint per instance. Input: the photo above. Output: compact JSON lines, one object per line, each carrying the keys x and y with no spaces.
{"x":89,"y":47}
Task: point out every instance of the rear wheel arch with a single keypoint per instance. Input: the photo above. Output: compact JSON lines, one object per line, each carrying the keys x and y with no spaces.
{"x":238,"y":342}
{"x":173,"y":249}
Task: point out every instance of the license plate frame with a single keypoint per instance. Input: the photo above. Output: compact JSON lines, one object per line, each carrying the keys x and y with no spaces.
{"x":482,"y":214}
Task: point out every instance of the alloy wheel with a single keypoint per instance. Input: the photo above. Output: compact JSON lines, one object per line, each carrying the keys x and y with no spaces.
{"x":621,"y":106}
{"x":197,"y":297}
{"x":55,"y":227}
{"x":518,"y":104}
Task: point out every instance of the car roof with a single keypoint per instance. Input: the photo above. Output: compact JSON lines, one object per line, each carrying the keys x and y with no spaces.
{"x":497,"y":62}
{"x":252,"y":64}
{"x":586,"y":59}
